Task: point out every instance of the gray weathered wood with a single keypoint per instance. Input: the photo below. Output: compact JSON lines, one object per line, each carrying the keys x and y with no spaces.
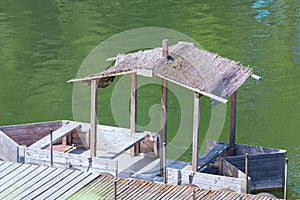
{"x":165,"y":48}
{"x":196,"y":125}
{"x":216,"y":182}
{"x":65,"y":130}
{"x":8,"y":148}
{"x":191,"y":67}
{"x":133,"y":112}
{"x":14,"y":174}
{"x":59,"y":184}
{"x":41,"y":157}
{"x":27,"y":134}
{"x":94,"y":109}
{"x":163,"y":120}
{"x":232,"y":123}
{"x":40,"y":179}
{"x":47,"y":184}
{"x":20,"y":180}
{"x":265,"y":170}
{"x":133,"y":103}
{"x":9,"y":169}
{"x":210,"y":156}
{"x":163,"y":124}
{"x":78,"y":186}
{"x":129,"y":145}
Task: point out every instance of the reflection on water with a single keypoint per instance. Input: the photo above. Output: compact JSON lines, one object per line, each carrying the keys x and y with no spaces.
{"x":42,"y":44}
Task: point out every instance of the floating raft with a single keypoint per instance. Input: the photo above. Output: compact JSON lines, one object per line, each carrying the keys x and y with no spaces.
{"x":27,"y":181}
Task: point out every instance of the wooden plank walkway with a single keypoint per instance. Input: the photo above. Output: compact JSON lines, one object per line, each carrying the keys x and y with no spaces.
{"x":25,"y":181}
{"x":103,"y":188}
{"x":65,"y":130}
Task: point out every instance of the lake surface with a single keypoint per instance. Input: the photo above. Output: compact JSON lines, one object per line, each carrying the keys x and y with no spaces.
{"x":43,"y":43}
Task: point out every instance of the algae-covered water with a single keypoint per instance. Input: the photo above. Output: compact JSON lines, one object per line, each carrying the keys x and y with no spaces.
{"x":43,"y":44}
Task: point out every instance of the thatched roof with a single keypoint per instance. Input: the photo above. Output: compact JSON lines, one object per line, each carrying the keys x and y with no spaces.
{"x":196,"y":69}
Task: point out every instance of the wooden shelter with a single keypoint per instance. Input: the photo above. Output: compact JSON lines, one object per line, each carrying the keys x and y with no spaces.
{"x":205,"y":73}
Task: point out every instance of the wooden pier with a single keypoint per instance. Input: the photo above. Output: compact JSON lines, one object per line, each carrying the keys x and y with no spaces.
{"x":25,"y":181}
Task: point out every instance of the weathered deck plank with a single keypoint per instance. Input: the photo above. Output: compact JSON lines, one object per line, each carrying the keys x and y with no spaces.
{"x":60,"y":183}
{"x":27,"y":175}
{"x":9,"y":169}
{"x":78,"y":186}
{"x":65,"y":130}
{"x":32,"y":180}
{"x":51,"y":183}
{"x":13,"y":175}
{"x":135,"y":139}
{"x":48,"y":183}
{"x":40,"y":181}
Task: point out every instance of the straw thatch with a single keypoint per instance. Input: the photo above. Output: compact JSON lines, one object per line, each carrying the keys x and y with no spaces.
{"x":186,"y":65}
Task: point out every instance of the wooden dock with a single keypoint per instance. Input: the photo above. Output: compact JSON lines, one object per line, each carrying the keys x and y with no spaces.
{"x":25,"y":181}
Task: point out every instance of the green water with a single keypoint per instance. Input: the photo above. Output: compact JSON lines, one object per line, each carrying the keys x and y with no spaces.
{"x":43,"y":43}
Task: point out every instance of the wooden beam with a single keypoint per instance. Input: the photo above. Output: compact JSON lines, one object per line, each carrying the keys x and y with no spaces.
{"x":163,"y":122}
{"x":94,"y":102}
{"x":196,"y":125}
{"x":212,"y":96}
{"x":232,"y":123}
{"x":133,"y":112}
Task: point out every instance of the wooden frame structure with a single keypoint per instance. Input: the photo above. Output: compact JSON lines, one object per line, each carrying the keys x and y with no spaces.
{"x":187,"y":61}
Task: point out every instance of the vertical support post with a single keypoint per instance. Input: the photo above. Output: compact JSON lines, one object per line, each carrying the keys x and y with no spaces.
{"x":51,"y":147}
{"x":196,"y":125}
{"x":194,"y":195}
{"x":232,"y":123}
{"x":94,"y":102}
{"x":286,"y":178}
{"x":163,"y":122}
{"x":247,"y":172}
{"x":116,"y":182}
{"x":133,"y":101}
{"x":133,"y":112}
{"x":164,"y":163}
{"x":165,"y":48}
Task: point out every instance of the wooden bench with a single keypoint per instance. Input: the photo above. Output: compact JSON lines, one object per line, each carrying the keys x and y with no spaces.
{"x":134,"y":139}
{"x":65,"y":130}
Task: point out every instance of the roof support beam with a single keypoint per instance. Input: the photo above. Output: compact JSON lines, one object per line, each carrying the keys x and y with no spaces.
{"x":94,"y":102}
{"x":196,"y":127}
{"x":232,"y":123}
{"x":133,"y":112}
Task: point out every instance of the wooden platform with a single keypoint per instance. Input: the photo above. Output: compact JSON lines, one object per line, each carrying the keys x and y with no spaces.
{"x":25,"y":181}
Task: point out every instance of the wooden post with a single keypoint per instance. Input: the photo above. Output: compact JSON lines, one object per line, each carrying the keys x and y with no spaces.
{"x":51,"y":148}
{"x":133,"y":103}
{"x":164,"y":163}
{"x":286,"y":178}
{"x":165,"y":48}
{"x":247,"y":172}
{"x":163,"y":122}
{"x":196,"y":125}
{"x":133,"y":112}
{"x":94,"y":101}
{"x":232,"y":123}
